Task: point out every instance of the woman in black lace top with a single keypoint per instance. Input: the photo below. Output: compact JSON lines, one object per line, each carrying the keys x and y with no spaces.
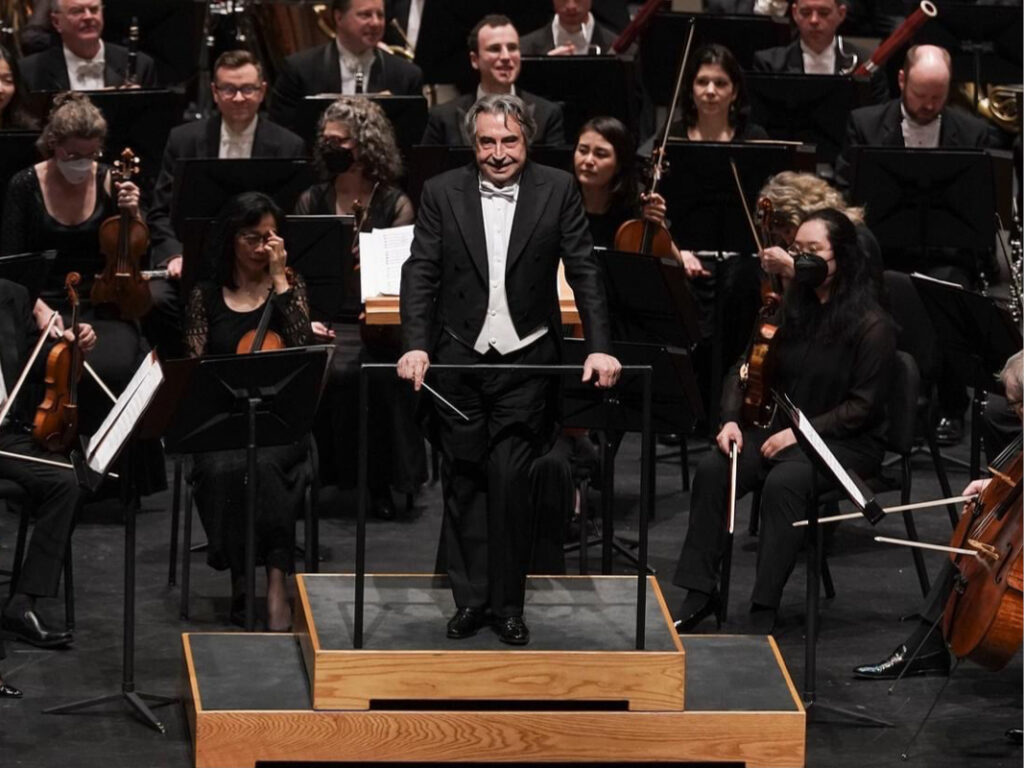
{"x":249,"y":267}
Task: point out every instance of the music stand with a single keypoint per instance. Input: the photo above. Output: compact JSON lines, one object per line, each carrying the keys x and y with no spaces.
{"x":171,"y":31}
{"x":203,"y":185}
{"x":585,"y":86}
{"x":320,"y":249}
{"x":28,"y":269}
{"x":743,"y":35}
{"x":17,"y":151}
{"x":921,"y":198}
{"x":407,"y":115}
{"x":239,"y":402}
{"x":984,"y":41}
{"x":812,"y":109}
{"x":977,"y":336}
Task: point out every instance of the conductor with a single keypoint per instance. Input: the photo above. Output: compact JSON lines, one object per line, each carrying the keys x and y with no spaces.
{"x":480,"y":288}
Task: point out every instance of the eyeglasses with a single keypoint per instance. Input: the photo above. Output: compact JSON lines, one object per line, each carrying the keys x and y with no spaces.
{"x":253,"y":239}
{"x":230,"y":91}
{"x":75,"y":156}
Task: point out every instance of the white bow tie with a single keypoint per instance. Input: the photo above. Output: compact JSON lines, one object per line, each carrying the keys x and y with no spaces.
{"x":488,"y":190}
{"x":92,"y":68}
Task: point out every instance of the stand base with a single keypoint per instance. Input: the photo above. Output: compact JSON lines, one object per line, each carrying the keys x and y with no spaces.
{"x":618,"y":547}
{"x":135,"y":699}
{"x":852,"y":714}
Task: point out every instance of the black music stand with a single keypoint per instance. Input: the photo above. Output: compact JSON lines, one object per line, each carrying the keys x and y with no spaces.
{"x":812,"y":109}
{"x":17,"y":151}
{"x":407,"y":114}
{"x":585,"y":86}
{"x":171,"y":31}
{"x":203,"y":185}
{"x":320,"y":249}
{"x":28,"y":269}
{"x":239,"y":402}
{"x":977,"y":335}
{"x":743,"y":35}
{"x":983,"y":40}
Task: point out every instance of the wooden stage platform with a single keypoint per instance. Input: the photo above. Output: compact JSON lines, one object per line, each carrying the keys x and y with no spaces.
{"x":580,"y":692}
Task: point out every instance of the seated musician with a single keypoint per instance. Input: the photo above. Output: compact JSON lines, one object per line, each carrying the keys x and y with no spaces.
{"x":353,"y":63}
{"x":81,"y":60}
{"x":573,"y":31}
{"x":924,"y":652}
{"x":237,"y":131}
{"x":818,"y":50}
{"x":835,"y":350}
{"x":61,"y":203}
{"x":52,"y":491}
{"x":13,"y":113}
{"x":357,"y":155}
{"x":248,"y":266}
{"x":494,"y":53}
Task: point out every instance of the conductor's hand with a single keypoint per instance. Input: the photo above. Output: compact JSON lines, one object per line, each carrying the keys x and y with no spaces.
{"x":730,"y":433}
{"x":606,"y":367}
{"x":777,"y":442}
{"x":776,"y":261}
{"x":86,"y":337}
{"x":412,"y":366}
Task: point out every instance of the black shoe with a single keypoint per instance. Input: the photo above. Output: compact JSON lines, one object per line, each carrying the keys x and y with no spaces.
{"x":694,"y":611}
{"x":512,"y":630}
{"x":382,"y":506}
{"x":761,"y":621}
{"x":466,"y":622}
{"x":930,"y":663}
{"x":8,"y":691}
{"x":29,"y":628}
{"x":949,"y":430}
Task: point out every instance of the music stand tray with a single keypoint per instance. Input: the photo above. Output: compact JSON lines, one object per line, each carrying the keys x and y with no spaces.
{"x":585,"y":86}
{"x":28,"y":269}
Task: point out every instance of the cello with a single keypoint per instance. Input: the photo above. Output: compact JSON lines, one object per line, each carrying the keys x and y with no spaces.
{"x":55,"y":425}
{"x":124,"y":239}
{"x":982,"y":620}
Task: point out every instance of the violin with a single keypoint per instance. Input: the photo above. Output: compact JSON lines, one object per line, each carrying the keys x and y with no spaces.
{"x":982,"y":620}
{"x":55,"y":425}
{"x":124,"y":240}
{"x":262,"y":338}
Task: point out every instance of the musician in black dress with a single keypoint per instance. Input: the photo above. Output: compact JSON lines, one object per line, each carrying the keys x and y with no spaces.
{"x":835,"y":351}
{"x":358,"y":158}
{"x":249,"y":269}
{"x":13,"y":113}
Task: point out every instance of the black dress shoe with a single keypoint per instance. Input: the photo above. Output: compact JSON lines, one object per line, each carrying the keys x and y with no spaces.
{"x":29,"y":628}
{"x":949,"y":430}
{"x":9,"y":692}
{"x":466,"y":622}
{"x":694,"y":611}
{"x":512,"y":630}
{"x":761,"y":621}
{"x":929,"y":663}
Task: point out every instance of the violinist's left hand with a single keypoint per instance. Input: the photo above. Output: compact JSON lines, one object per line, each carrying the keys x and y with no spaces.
{"x":654,"y":207}
{"x":128,"y":198}
{"x":777,"y":442}
{"x":86,"y":337}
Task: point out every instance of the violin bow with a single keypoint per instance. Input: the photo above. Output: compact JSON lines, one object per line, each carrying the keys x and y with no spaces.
{"x":746,"y":208}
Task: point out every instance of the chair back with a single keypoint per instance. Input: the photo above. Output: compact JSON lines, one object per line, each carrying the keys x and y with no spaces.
{"x":916,"y":334}
{"x":901,"y":408}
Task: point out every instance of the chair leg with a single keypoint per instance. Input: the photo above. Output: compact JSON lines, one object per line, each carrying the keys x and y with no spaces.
{"x":684,"y":462}
{"x":940,"y":473}
{"x":724,"y":579}
{"x":755,"y":514}
{"x":186,"y":552}
{"x":172,"y":560}
{"x":826,"y":577}
{"x":910,"y":524}
{"x":19,"y":548}
{"x":307,"y":506}
{"x":69,"y":588}
{"x":582,"y":489}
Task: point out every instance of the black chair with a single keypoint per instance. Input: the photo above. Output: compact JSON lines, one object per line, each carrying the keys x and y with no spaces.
{"x":183,"y":480}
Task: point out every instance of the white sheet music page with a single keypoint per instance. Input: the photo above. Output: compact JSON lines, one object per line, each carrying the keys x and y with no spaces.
{"x":805,"y":428}
{"x":102,"y":448}
{"x":382,"y":253}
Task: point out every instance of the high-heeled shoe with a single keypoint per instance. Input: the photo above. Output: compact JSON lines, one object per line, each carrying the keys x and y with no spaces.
{"x":8,"y":691}
{"x":695,"y":608}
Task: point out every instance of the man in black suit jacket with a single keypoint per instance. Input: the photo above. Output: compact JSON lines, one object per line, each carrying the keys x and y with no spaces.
{"x":351,"y":64}
{"x":480,"y":287}
{"x":818,"y":49}
{"x":238,"y":131}
{"x":52,"y":491}
{"x":576,"y":31}
{"x":82,"y":61}
{"x":494,"y":53}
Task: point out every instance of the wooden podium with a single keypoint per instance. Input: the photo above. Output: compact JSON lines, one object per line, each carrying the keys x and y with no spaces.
{"x":579,"y":692}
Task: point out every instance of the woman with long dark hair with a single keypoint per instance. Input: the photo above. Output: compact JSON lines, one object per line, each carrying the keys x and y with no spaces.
{"x":834,"y":353}
{"x":14,"y":115}
{"x":249,"y":261}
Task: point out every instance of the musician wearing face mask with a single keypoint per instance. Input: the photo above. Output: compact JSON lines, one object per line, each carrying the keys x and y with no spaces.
{"x":358,"y":158}
{"x":834,"y":352}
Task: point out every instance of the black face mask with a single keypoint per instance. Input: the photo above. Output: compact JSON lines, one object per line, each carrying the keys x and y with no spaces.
{"x":336,"y":158}
{"x":809,"y":269}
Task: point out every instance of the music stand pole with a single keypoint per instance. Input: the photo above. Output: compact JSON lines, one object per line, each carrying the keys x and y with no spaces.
{"x":251,"y":487}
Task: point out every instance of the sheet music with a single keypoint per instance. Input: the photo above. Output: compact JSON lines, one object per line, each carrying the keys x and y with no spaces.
{"x":382,"y":252}
{"x":803,"y":424}
{"x":102,"y":448}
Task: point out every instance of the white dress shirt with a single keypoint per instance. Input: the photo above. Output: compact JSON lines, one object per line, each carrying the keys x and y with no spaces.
{"x":580,"y":40}
{"x":823,"y":63}
{"x":412,"y":28}
{"x":351,"y":65}
{"x":917,"y":135}
{"x":235,"y":146}
{"x":499,"y":332}
{"x":85,"y":74}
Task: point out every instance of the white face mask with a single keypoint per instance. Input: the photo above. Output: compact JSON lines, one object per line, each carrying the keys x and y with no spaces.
{"x":75,"y":171}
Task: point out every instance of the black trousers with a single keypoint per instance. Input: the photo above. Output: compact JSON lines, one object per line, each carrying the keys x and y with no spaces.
{"x":53,"y":492}
{"x":786,"y":484}
{"x":489,"y":515}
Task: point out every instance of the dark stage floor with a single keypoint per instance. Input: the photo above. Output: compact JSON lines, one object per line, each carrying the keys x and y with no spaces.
{"x":875,"y":586}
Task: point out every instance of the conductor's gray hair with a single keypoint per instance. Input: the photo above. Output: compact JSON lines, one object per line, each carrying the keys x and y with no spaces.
{"x":506,"y":105}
